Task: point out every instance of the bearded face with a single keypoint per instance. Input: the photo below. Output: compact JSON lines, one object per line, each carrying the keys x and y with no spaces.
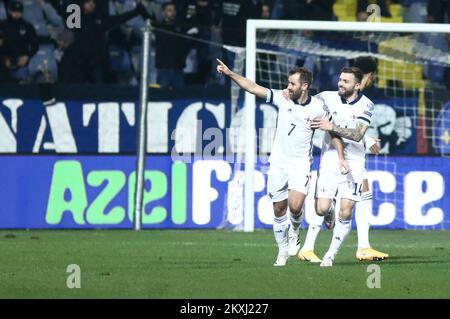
{"x":347,"y":85}
{"x":294,"y":86}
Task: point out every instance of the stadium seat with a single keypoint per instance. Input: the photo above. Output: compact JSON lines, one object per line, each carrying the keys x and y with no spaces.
{"x":345,"y":10}
{"x":404,"y":74}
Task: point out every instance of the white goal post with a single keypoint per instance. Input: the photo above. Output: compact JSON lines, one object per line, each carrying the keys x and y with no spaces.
{"x":250,"y":102}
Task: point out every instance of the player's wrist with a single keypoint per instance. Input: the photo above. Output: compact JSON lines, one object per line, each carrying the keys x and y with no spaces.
{"x":332,"y":127}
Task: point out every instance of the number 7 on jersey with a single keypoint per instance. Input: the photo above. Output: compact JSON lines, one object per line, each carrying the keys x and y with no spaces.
{"x":293,"y":127}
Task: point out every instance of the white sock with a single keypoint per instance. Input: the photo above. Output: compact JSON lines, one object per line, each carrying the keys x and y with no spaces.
{"x":341,"y":230}
{"x":313,"y":230}
{"x":280,"y":230}
{"x":363,"y":211}
{"x":296,"y":220}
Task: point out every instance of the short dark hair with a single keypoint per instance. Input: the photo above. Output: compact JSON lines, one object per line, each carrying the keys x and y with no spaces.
{"x":15,"y":6}
{"x":305,"y":75}
{"x":355,"y":71}
{"x":367,"y":64}
{"x":166,"y":4}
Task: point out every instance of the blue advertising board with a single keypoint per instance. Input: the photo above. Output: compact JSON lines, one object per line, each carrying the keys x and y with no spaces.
{"x":110,"y":126}
{"x":50,"y":191}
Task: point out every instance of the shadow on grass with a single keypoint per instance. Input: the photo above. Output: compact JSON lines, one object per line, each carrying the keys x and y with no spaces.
{"x":401,"y":260}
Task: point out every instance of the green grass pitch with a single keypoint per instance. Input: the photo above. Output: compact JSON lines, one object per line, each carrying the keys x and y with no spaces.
{"x":215,"y":264}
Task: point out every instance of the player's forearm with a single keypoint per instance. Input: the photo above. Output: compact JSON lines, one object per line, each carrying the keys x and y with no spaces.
{"x":248,"y":85}
{"x":354,"y":134}
{"x":338,"y":145}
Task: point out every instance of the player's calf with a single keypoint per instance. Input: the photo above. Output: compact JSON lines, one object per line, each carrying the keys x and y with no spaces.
{"x":330,"y":216}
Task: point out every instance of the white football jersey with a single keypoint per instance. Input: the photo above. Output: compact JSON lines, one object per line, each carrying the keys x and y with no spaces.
{"x":293,"y":137}
{"x":346,"y":115}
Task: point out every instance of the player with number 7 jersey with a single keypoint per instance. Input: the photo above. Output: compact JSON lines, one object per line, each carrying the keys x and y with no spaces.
{"x":291,"y":156}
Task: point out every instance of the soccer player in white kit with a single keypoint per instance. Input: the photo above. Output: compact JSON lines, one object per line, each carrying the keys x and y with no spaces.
{"x":363,"y":208}
{"x":351,"y":114}
{"x":291,"y":156}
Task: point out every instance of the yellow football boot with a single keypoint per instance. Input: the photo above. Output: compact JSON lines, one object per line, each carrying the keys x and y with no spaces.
{"x":308,"y":256}
{"x":370,"y":254}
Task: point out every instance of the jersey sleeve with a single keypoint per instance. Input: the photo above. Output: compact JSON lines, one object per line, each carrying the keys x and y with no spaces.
{"x":320,"y":96}
{"x":269,"y":96}
{"x":275,"y":97}
{"x":365,"y":117}
{"x":322,"y":111}
{"x":325,"y":110}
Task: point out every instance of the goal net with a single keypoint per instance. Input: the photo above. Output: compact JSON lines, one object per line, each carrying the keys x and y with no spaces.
{"x":410,"y":92}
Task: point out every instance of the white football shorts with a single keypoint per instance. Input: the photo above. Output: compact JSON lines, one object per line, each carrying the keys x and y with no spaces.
{"x":294,"y":177}
{"x":330,"y":181}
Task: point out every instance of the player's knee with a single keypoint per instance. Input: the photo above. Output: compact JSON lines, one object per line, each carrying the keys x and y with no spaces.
{"x":295,"y":208}
{"x":321,"y":208}
{"x":295,"y":201}
{"x":279,"y":209}
{"x":320,"y":212}
{"x":345,"y":216}
{"x":345,"y":213}
{"x":295,"y":205}
{"x":347,"y":206}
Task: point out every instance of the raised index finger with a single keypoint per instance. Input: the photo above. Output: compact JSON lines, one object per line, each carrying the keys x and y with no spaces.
{"x":220,"y":61}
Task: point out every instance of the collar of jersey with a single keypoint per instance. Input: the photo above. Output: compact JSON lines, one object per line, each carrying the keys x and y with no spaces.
{"x":304,"y":104}
{"x":344,"y":101}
